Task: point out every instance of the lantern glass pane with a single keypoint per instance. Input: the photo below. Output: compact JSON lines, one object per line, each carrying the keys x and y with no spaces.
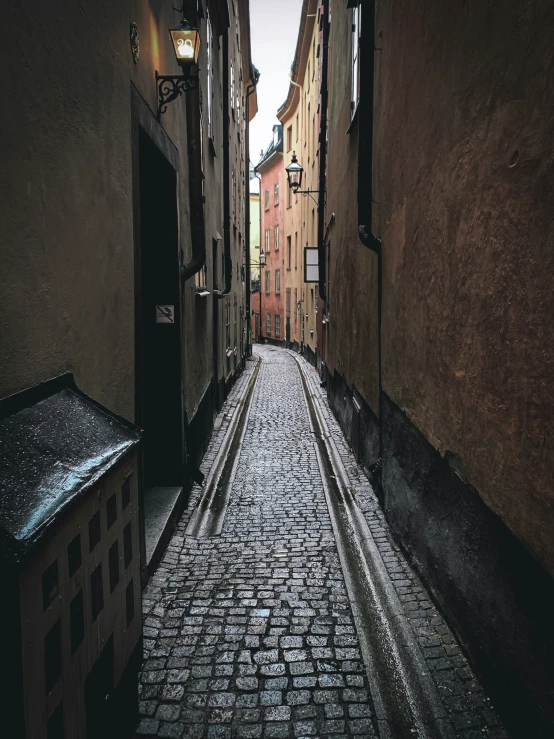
{"x":186,"y":43}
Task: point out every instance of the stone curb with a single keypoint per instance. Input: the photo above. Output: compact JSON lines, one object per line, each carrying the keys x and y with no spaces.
{"x":203,"y":519}
{"x":401,"y":683}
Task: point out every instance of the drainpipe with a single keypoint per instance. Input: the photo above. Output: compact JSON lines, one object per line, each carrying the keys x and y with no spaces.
{"x":365,"y":189}
{"x":226,"y":171}
{"x":196,"y":195}
{"x":249,"y":91}
{"x":323,"y":151}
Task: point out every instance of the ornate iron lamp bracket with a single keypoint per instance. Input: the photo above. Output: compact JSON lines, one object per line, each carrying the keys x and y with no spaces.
{"x":171,"y":86}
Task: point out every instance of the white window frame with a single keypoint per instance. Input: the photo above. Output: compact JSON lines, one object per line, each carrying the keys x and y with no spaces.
{"x":276,"y":237}
{"x":355,"y":61}
{"x":267,"y":241}
{"x":277,"y":282}
{"x":277,"y":325}
{"x":210,"y":75}
{"x":268,"y":324}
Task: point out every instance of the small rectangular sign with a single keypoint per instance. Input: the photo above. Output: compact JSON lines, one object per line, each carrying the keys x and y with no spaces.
{"x":165,"y":314}
{"x":311,"y":264}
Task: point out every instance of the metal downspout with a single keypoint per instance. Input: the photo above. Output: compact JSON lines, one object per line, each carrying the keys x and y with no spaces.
{"x":249,"y":91}
{"x":365,"y":188}
{"x":323,"y":152}
{"x":226,"y":171}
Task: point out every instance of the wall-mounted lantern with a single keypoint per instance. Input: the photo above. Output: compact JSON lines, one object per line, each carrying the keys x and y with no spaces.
{"x":294,"y":175}
{"x":263,"y":260}
{"x":186,"y":45}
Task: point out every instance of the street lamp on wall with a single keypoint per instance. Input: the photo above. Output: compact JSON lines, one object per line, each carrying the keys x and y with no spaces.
{"x":186,"y":45}
{"x":263,"y":260}
{"x":295,"y":172}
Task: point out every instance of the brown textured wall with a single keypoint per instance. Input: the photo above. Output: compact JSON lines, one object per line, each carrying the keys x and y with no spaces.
{"x":465,"y":126}
{"x":352,"y":341}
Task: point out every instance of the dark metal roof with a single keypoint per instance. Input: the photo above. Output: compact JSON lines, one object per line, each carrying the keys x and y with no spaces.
{"x":55,"y":443}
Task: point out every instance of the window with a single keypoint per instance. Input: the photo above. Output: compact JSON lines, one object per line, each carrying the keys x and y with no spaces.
{"x":201,"y":279}
{"x":127,"y":545}
{"x":111,"y":511}
{"x":266,"y":199}
{"x":289,"y":251}
{"x":277,"y":281}
{"x":287,"y":304}
{"x":267,"y":281}
{"x":55,"y":726}
{"x":113,"y":565}
{"x":296,"y":250}
{"x":289,"y":197}
{"x":268,"y":324}
{"x":96,"y":593}
{"x":130,"y":602}
{"x":210,"y":76}
{"x":267,"y":241}
{"x":289,"y":138}
{"x":126,"y":493}
{"x":52,"y":656}
{"x":74,"y":555}
{"x":276,"y":238}
{"x":276,"y":194}
{"x":50,"y":584}
{"x":297,"y":126}
{"x":295,"y":303}
{"x":277,"y":325}
{"x":232,"y":88}
{"x":77,"y":620}
{"x":356,"y":29}
{"x":94,"y":531}
{"x":228,"y":325}
{"x":316,"y":287}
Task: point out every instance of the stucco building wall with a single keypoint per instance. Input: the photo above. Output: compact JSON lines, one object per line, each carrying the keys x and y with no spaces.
{"x":273,"y":302}
{"x":67,"y":298}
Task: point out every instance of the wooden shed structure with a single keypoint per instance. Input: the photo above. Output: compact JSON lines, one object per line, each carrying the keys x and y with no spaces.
{"x":70,"y":565}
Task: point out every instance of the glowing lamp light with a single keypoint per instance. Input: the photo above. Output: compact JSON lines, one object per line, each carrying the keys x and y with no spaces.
{"x":294,"y":173}
{"x":186,"y":44}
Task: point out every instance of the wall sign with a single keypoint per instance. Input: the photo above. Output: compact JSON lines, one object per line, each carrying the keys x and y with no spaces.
{"x":165,"y":314}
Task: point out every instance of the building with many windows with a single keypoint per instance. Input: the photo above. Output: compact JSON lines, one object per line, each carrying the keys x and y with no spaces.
{"x":272,"y":285}
{"x":300,"y":120}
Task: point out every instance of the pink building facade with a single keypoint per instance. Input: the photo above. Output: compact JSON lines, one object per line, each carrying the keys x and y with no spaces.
{"x":272,"y":281}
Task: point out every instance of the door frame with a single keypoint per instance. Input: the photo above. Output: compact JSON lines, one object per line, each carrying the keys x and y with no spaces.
{"x":142,"y":117}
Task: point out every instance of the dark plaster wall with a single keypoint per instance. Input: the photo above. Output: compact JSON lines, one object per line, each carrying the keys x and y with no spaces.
{"x":495,"y":594}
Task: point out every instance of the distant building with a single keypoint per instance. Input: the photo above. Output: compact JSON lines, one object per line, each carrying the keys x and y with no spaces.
{"x":300,"y":121}
{"x":272,"y":289}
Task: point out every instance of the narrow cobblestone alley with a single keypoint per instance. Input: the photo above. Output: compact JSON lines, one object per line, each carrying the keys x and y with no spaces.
{"x":251,"y":633}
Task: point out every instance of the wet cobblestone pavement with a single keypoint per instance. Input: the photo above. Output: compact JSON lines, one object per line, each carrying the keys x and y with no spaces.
{"x":250,"y":634}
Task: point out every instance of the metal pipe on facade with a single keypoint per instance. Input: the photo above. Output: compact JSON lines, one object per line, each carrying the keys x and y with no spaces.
{"x":323,"y":150}
{"x":228,"y":264}
{"x":365,"y":181}
{"x":250,"y":90}
{"x":196,"y":198}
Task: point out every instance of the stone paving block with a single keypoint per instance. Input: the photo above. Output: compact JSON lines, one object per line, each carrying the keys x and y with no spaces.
{"x":250,"y":634}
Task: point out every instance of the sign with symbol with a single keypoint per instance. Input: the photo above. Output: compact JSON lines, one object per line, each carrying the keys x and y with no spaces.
{"x":165,"y":314}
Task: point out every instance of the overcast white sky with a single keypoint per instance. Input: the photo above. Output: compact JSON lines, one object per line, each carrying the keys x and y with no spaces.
{"x":274,"y":30}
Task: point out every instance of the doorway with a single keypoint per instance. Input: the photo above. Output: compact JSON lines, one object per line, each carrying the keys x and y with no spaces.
{"x":159,"y":364}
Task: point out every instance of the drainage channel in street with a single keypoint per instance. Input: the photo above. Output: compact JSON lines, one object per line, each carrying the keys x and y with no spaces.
{"x":406,"y":700}
{"x":209,"y":514}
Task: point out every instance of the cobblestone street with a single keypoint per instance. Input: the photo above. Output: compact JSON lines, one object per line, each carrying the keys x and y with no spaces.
{"x":251,"y":633}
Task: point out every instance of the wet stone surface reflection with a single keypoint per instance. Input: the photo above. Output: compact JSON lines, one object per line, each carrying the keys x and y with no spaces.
{"x":250,"y":634}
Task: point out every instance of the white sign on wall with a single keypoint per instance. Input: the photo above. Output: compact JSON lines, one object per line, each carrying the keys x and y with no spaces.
{"x":165,"y":314}
{"x":311,"y":264}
